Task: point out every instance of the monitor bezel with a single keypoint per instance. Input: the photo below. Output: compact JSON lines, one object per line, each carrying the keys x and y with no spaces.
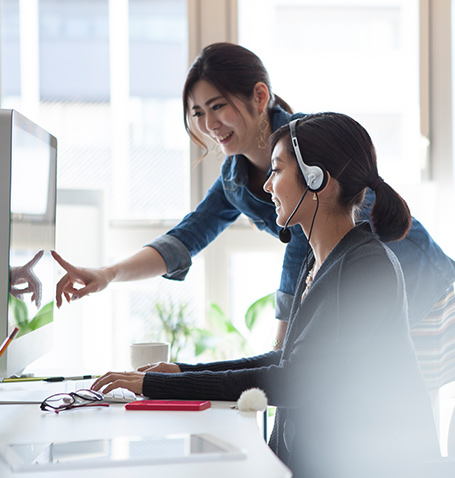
{"x":31,"y":346}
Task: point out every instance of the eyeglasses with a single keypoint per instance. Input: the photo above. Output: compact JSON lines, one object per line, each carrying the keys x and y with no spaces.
{"x":65,"y":401}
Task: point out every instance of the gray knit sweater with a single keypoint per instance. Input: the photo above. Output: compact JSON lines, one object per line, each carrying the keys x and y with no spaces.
{"x":347,"y":384}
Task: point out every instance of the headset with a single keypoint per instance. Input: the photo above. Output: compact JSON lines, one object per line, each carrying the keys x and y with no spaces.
{"x":315,"y":177}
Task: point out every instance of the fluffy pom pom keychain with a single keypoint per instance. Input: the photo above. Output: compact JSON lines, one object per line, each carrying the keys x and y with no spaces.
{"x":252,"y":400}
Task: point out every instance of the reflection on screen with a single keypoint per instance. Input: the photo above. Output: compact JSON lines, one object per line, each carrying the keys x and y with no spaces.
{"x":32,"y":228}
{"x":30,"y":174}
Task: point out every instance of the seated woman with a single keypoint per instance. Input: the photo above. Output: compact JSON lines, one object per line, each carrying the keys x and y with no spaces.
{"x":349,"y":392}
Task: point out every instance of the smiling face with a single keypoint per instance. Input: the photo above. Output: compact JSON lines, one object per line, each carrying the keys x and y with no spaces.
{"x":230,"y":124}
{"x":284,"y":185}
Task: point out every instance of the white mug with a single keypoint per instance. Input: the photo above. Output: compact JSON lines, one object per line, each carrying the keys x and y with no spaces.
{"x":148,"y":353}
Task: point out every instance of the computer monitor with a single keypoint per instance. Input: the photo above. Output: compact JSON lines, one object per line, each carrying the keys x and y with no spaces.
{"x":27,"y":233}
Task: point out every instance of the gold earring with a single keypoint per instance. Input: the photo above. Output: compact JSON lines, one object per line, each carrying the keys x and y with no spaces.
{"x":315,"y":198}
{"x":263,"y":134}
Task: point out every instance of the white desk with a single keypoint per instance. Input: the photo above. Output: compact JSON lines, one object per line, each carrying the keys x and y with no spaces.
{"x":27,"y":423}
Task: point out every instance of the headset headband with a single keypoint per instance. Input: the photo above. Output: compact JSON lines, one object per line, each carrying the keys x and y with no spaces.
{"x":315,"y":175}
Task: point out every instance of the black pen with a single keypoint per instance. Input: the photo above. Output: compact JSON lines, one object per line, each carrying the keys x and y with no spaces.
{"x":77,"y":377}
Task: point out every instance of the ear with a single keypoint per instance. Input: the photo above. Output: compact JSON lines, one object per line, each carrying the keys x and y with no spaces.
{"x":328,"y":188}
{"x":261,"y":96}
{"x":331,"y":191}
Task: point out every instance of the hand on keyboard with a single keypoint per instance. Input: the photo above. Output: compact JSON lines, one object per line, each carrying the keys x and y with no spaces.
{"x":120,"y":395}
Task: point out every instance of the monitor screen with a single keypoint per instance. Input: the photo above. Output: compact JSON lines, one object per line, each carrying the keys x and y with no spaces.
{"x":28,"y":159}
{"x":32,"y":227}
{"x":32,"y":196}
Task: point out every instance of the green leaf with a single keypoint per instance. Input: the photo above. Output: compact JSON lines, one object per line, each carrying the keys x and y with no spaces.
{"x":256,"y":308}
{"x":44,"y":316}
{"x":222,"y":322}
{"x":20,"y":311}
{"x":218,"y":317}
{"x":204,"y":340}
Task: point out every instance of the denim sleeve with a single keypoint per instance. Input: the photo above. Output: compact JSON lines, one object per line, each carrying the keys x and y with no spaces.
{"x":196,"y":231}
{"x":175,"y":255}
{"x":283,"y":303}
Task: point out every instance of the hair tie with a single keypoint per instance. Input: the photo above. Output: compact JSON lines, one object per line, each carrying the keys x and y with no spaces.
{"x":376,"y":183}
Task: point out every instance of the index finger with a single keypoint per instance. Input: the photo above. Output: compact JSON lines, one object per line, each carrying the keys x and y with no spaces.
{"x":35,"y":259}
{"x":66,"y":265}
{"x":101,"y":381}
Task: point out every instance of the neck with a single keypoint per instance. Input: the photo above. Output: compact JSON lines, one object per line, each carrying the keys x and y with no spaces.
{"x":258,"y":166}
{"x":260,"y":160}
{"x":258,"y":155}
{"x":327,"y":233}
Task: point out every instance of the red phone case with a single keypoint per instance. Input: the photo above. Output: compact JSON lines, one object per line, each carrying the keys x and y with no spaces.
{"x":168,"y":405}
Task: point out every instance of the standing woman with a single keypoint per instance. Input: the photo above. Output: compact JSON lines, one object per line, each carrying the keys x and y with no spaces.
{"x":350,"y":395}
{"x":227,"y":98}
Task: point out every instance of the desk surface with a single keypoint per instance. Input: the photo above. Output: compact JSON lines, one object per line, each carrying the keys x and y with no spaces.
{"x":27,"y":423}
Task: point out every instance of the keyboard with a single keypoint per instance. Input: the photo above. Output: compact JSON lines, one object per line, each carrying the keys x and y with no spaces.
{"x":120,"y":395}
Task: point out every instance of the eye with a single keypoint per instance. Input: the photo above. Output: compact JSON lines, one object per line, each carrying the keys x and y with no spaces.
{"x":218,"y":106}
{"x":197,"y":114}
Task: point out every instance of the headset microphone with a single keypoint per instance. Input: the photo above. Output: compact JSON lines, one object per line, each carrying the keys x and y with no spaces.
{"x":285,"y":234}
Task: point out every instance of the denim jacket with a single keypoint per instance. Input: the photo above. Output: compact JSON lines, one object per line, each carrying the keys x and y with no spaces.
{"x":229,"y":197}
{"x":428,"y":271}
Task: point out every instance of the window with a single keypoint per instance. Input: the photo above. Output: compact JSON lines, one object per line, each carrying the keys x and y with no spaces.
{"x":97,"y":75}
{"x":358,"y":58}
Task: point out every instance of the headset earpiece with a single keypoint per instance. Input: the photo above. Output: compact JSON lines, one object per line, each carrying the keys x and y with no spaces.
{"x":316,"y":178}
{"x":315,"y":174}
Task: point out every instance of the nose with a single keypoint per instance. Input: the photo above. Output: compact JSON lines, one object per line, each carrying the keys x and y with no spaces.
{"x":268,"y":185}
{"x":211,"y":122}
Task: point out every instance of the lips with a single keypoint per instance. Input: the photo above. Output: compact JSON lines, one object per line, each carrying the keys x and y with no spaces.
{"x":276,"y":202}
{"x":224,"y":137}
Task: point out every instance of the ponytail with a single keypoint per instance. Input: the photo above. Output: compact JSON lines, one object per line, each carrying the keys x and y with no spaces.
{"x":345,"y":149}
{"x":277,"y":100}
{"x":390,"y":215}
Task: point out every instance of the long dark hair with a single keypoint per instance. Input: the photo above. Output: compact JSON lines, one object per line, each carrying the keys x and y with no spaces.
{"x":233,"y":71}
{"x":345,"y":149}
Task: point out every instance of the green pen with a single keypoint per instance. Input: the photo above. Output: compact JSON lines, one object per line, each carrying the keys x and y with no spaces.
{"x":23,"y":379}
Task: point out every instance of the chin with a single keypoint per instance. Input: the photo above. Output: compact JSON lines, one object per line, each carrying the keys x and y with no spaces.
{"x":280,"y":222}
{"x":229,"y":151}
